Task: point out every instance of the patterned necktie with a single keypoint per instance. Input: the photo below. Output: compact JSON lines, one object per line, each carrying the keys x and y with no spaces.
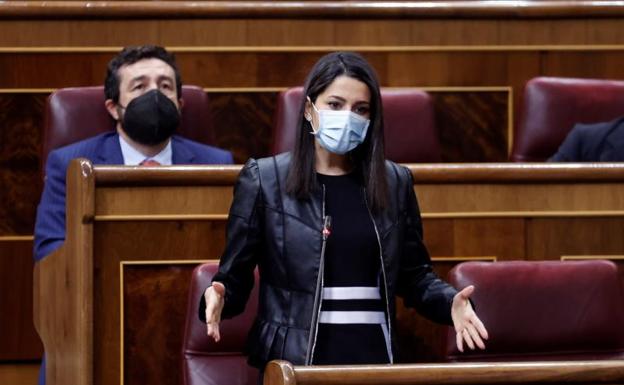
{"x":149,"y":163}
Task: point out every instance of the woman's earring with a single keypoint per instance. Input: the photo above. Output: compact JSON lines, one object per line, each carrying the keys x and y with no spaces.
{"x":308,"y":117}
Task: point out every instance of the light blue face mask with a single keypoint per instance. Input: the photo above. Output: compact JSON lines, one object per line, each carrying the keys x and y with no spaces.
{"x":340,"y":131}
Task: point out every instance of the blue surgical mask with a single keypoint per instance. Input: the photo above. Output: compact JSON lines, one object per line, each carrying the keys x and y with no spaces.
{"x":340,"y":131}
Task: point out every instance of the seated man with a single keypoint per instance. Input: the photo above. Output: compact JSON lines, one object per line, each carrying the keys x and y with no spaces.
{"x":599,"y":142}
{"x":142,"y":90}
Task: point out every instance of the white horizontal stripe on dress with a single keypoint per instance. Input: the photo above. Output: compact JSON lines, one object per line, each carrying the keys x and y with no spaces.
{"x":352,"y":317}
{"x":351,"y":292}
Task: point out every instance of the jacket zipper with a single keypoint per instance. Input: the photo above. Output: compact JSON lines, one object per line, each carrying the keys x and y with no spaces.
{"x":383,"y":273}
{"x":316,"y":310}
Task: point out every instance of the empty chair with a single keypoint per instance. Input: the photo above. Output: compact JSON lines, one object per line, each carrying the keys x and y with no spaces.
{"x":205,"y":362}
{"x":73,"y":114}
{"x":547,"y":310}
{"x":552,"y":106}
{"x":410,"y":132}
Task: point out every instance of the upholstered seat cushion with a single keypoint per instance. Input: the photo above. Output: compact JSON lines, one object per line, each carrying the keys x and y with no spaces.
{"x":547,"y":310}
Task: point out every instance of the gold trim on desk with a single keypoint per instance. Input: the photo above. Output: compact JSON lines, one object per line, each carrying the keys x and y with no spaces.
{"x":417,"y":87}
{"x":122,"y":264}
{"x":590,"y":257}
{"x":27,"y":90}
{"x":320,"y":49}
{"x":161,"y":217}
{"x":167,"y":262}
{"x":425,"y":215}
{"x":484,"y":258}
{"x":16,"y":238}
{"x":523,"y":214}
{"x":121,"y":323}
{"x":279,"y":89}
{"x":510,"y":122}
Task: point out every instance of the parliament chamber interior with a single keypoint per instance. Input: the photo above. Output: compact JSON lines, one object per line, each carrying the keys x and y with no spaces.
{"x":477,"y":96}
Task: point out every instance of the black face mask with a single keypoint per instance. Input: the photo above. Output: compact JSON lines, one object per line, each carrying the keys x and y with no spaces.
{"x":150,"y":118}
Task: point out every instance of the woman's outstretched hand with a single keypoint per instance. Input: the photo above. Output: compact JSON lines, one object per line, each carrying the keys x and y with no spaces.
{"x":214,"y":305}
{"x":468,"y":327}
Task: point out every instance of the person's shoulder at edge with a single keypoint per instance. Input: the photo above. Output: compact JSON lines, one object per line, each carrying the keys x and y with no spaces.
{"x":401,"y":172}
{"x":206,"y":153}
{"x":582,"y":144}
{"x":84,"y":147}
{"x":281,"y":160}
{"x":58,"y":159}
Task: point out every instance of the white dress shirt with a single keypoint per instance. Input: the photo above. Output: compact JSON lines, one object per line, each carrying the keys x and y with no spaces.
{"x":132,"y":157}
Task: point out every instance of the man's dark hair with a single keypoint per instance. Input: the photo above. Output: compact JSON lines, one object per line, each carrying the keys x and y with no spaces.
{"x":131,"y":55}
{"x":368,"y":158}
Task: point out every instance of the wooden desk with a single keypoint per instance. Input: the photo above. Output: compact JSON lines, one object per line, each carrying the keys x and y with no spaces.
{"x":577,"y":372}
{"x":110,"y":304}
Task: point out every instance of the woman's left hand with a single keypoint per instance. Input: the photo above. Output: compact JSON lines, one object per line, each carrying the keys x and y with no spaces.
{"x":468,"y":327}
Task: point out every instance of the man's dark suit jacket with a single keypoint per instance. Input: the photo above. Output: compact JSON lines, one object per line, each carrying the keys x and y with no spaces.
{"x":599,"y":142}
{"x":101,"y":149}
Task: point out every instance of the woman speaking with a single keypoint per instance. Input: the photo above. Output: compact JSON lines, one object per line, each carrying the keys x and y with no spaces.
{"x":336,"y":234}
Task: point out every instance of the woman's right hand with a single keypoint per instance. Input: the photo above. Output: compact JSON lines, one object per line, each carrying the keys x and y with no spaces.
{"x":214,"y":305}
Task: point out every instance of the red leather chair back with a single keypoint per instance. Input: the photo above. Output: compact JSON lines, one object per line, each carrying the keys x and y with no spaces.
{"x":552,"y":106}
{"x":73,"y":114}
{"x":410,"y":132}
{"x":205,"y":362}
{"x":547,"y":310}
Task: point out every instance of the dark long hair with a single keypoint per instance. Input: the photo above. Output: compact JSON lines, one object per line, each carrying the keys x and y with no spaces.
{"x":367,"y":158}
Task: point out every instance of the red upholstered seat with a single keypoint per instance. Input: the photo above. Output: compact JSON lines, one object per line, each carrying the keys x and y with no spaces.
{"x":547,"y":310}
{"x":552,"y":106}
{"x":410,"y":132}
{"x":205,"y":362}
{"x":73,"y":114}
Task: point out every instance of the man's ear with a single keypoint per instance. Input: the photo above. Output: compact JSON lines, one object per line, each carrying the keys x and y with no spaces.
{"x":111,"y":107}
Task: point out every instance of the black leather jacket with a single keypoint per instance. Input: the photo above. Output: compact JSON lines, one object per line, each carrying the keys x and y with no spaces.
{"x":282,"y":235}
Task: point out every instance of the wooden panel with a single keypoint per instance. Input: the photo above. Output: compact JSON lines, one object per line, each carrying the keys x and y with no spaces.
{"x":63,"y":289}
{"x":244,"y":122}
{"x":254,"y":67}
{"x":22,"y":374}
{"x":246,"y":68}
{"x":550,"y":238}
{"x":151,"y":347}
{"x":17,"y":331}
{"x":472,"y":126}
{"x":527,"y":198}
{"x":156,"y":291}
{"x":583,"y":64}
{"x":118,"y":23}
{"x":131,"y":201}
{"x":21,"y":117}
{"x":502,"y":238}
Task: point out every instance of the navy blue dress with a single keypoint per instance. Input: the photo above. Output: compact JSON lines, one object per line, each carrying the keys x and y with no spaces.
{"x":352,"y":325}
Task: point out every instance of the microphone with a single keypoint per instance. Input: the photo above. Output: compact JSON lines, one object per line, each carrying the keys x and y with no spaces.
{"x":326,"y":227}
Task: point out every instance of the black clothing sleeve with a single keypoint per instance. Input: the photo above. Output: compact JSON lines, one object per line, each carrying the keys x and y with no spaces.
{"x":418,"y":284}
{"x":237,"y":264}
